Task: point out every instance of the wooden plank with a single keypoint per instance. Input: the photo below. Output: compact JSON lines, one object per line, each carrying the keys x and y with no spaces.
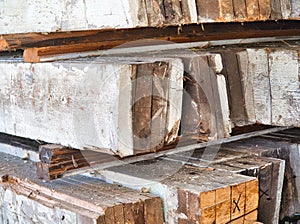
{"x":55,"y":160}
{"x":233,"y":157}
{"x":285,"y":148}
{"x":205,"y":109}
{"x":159,"y":106}
{"x":142,"y":104}
{"x":173,"y":11}
{"x":276,"y":12}
{"x":295,"y":9}
{"x":189,"y":11}
{"x":285,"y":8}
{"x":247,"y":86}
{"x":63,"y":199}
{"x":46,"y":98}
{"x":155,"y":12}
{"x":104,"y":39}
{"x":57,"y":16}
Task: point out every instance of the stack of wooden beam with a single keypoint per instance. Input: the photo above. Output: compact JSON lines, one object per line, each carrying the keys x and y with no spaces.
{"x":82,"y":106}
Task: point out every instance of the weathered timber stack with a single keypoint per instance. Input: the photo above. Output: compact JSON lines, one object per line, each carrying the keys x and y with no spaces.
{"x":85,"y":108}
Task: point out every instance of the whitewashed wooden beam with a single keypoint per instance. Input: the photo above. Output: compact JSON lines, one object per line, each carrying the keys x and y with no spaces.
{"x":284,"y":85}
{"x":84,"y":103}
{"x":17,"y":16}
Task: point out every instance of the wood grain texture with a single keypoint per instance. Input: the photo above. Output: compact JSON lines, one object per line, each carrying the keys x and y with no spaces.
{"x":96,"y":115}
{"x":240,"y":10}
{"x":63,"y":200}
{"x":186,"y":201}
{"x":264,"y":9}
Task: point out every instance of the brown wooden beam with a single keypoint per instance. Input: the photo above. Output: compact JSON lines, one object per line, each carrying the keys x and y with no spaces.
{"x":104,"y":39}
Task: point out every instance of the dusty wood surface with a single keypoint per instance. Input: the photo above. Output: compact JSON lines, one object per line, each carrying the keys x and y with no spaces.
{"x":189,"y":193}
{"x":69,"y":16}
{"x":42,"y":44}
{"x":262,"y":83}
{"x":35,"y":100}
{"x":283,"y":145}
{"x":64,"y":200}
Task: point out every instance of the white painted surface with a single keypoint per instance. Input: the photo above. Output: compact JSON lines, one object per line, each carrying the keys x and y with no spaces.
{"x":21,"y":16}
{"x":83,"y":103}
{"x":285,"y":90}
{"x":258,"y":67}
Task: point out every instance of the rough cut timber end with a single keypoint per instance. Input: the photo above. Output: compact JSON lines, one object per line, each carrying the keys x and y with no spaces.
{"x":31,"y":55}
{"x":4,"y":46}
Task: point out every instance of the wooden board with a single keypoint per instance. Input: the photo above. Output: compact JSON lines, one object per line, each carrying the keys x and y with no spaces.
{"x":62,"y":200}
{"x":79,"y":108}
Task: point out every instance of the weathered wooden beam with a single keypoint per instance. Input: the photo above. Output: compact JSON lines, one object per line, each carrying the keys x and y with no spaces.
{"x":263,"y":84}
{"x":191,"y":194}
{"x":66,"y":16}
{"x":283,"y":145}
{"x":89,"y":104}
{"x":64,"y":200}
{"x":58,"y":42}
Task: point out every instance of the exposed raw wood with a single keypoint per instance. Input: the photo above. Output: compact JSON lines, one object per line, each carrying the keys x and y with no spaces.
{"x":189,"y":193}
{"x":232,"y":73}
{"x":55,"y":160}
{"x":240,"y":9}
{"x":102,"y":39}
{"x":253,"y":9}
{"x":63,"y":199}
{"x":235,"y":158}
{"x":283,"y":145}
{"x":93,"y":107}
{"x":264,"y":9}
